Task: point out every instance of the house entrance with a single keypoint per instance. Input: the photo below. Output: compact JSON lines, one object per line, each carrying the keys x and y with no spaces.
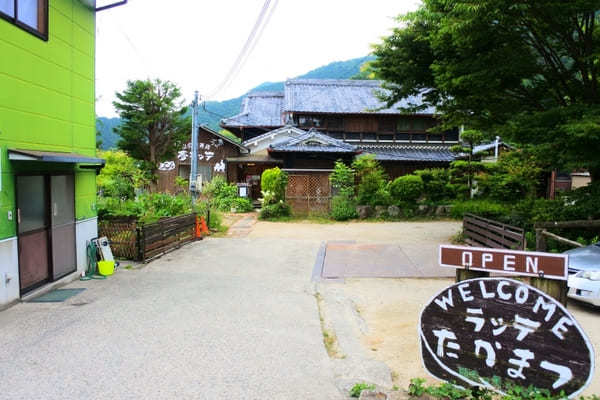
{"x":46,"y":228}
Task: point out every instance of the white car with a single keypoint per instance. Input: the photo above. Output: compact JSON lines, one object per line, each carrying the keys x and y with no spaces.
{"x":584,"y":274}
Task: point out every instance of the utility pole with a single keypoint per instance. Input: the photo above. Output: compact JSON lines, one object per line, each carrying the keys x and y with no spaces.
{"x":194,"y":169}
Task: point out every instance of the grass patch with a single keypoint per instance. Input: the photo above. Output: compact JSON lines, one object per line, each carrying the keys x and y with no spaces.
{"x":359,"y":387}
{"x":329,"y":337}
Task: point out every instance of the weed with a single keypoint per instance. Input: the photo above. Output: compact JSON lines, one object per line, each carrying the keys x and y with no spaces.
{"x":359,"y":387}
{"x":329,"y":338}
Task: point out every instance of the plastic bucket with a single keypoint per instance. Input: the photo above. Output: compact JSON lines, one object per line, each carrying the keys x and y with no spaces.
{"x":106,"y":268}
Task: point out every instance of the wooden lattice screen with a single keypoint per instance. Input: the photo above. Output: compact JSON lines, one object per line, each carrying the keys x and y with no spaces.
{"x":309,"y":193}
{"x":122,"y":234}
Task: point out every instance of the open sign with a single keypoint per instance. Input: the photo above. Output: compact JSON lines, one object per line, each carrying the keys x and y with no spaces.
{"x":512,"y":262}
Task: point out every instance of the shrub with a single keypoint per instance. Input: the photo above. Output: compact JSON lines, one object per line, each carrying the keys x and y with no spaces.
{"x":274,"y":180}
{"x":120,"y":176}
{"x":343,"y":208}
{"x":342,"y":179}
{"x":372,"y":182}
{"x":436,"y":182}
{"x":406,"y":188}
{"x":482,"y":208}
{"x":215,"y":220}
{"x":242,"y":204}
{"x":276,"y":210}
{"x":224,"y":196}
{"x":146,"y":208}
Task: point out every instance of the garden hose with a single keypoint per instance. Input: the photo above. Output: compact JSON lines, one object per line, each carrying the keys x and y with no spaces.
{"x":92,"y":259}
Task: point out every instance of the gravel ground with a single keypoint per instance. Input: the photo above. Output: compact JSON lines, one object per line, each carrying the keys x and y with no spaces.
{"x":389,"y":309}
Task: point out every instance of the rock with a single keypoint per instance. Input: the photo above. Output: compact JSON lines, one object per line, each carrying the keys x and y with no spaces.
{"x":442,"y":210}
{"x":364,"y":211}
{"x":393,"y":211}
{"x":380,"y":211}
{"x":423,"y":209}
{"x":372,"y":395}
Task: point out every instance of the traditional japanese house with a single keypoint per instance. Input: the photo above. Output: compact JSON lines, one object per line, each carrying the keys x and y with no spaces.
{"x":313,"y":122}
{"x":350,"y":111}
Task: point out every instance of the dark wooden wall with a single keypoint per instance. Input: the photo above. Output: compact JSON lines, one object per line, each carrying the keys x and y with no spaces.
{"x":212,"y":152}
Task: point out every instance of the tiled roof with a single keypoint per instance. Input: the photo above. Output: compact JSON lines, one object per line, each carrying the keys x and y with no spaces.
{"x":258,"y":109}
{"x":338,"y":96}
{"x":217,"y":134}
{"x":342,"y":96}
{"x":312,"y":141}
{"x":289,"y":129}
{"x":409,"y":153}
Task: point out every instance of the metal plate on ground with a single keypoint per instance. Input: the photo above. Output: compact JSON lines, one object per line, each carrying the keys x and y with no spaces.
{"x":57,"y":296}
{"x":346,"y":259}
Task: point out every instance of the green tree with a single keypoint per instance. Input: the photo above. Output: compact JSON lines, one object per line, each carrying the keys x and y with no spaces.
{"x":153,"y":122}
{"x":120,"y":176}
{"x":470,"y":138}
{"x":527,"y":70}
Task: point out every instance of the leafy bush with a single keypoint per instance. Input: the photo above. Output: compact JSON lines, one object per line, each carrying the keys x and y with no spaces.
{"x":342,"y":179}
{"x":242,"y":204}
{"x":483,"y":208}
{"x":343,"y":208}
{"x":146,"y":208}
{"x":120,"y":176}
{"x":436,"y":182}
{"x":407,"y":188}
{"x":277,"y":210}
{"x":224,"y":196}
{"x":274,"y":180}
{"x":372,"y":182}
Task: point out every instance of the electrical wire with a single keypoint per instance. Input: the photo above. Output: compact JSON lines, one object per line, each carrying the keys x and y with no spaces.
{"x":245,"y":51}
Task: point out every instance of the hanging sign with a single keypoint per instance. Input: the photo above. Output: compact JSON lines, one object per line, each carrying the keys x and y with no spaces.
{"x":497,"y":332}
{"x":511,"y":262}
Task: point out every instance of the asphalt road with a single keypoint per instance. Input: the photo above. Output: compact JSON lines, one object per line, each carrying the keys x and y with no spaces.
{"x":217,"y":319}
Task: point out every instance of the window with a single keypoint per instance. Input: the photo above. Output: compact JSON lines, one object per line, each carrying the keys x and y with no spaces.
{"x":30,"y":15}
{"x":403,"y":125}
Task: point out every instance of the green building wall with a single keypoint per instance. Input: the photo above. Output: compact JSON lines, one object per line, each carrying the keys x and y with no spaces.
{"x":47,"y":100}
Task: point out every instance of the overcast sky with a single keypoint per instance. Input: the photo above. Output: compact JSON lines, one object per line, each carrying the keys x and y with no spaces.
{"x":194,"y":43}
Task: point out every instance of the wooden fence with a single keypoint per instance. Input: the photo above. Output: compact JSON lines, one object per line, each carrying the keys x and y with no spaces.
{"x":485,"y":232}
{"x":143,"y":242}
{"x":167,"y":234}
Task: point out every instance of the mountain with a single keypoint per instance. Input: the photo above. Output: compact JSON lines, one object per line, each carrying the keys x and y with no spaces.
{"x":213,"y":111}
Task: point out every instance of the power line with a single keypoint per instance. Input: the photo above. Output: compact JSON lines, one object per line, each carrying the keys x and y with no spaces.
{"x":246,"y":49}
{"x":256,"y":40}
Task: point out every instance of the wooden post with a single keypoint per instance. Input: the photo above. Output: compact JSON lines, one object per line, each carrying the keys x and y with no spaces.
{"x":554,"y":288}
{"x":464,"y":274}
{"x":540,"y":240}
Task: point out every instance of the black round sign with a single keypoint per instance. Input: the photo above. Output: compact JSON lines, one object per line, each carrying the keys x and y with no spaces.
{"x":496,"y":332}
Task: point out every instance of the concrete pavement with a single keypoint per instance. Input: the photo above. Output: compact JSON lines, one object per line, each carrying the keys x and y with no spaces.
{"x":218,"y":319}
{"x":223,"y":318}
